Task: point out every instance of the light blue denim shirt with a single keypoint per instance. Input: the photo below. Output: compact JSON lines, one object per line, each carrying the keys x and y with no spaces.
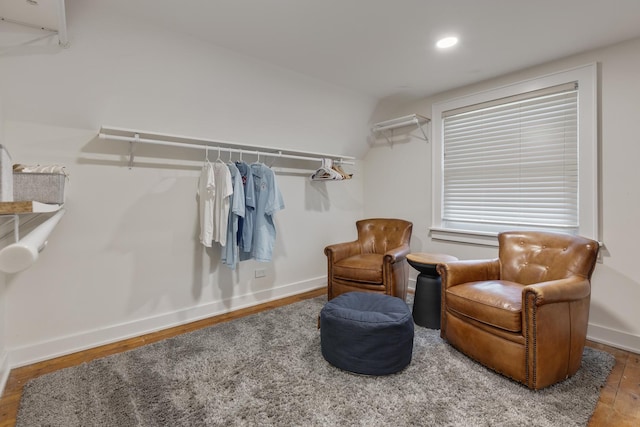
{"x":268,"y":202}
{"x":245,"y":224}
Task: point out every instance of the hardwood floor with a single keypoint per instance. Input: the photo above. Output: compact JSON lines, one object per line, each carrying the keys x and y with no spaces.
{"x":619,"y":403}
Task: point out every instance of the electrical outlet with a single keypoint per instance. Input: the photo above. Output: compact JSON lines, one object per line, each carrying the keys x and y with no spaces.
{"x":261,"y":272}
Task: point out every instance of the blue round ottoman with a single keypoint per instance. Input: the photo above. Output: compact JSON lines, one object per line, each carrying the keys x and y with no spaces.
{"x":367,"y":333}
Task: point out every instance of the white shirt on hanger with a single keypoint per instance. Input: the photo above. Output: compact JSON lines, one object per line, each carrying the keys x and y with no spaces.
{"x":206,"y":192}
{"x":223,"y":189}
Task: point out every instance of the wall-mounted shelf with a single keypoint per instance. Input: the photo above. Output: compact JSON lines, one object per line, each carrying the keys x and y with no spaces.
{"x":21,"y":254}
{"x":47,"y":17}
{"x":399,"y":122}
{"x":9,"y":208}
{"x":13,"y":210}
{"x":146,"y":137}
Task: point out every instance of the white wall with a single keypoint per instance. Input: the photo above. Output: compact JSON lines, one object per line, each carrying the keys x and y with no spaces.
{"x":4,"y":360}
{"x":405,"y":180}
{"x":125,"y":260}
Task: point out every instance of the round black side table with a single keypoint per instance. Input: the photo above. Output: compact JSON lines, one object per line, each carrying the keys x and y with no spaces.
{"x":426,"y":301}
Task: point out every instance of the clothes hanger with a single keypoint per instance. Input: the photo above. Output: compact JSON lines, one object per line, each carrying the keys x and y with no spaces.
{"x":326,"y":173}
{"x":338,"y":168}
{"x":219,"y":159}
{"x":240,"y":157}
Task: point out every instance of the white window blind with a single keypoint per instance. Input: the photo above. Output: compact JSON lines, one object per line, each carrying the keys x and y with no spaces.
{"x":513,"y":162}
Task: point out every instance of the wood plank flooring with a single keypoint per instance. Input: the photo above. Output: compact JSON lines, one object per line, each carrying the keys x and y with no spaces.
{"x":619,"y":403}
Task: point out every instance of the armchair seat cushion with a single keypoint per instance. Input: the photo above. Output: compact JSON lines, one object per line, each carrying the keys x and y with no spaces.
{"x":365,"y":268}
{"x":494,"y":302}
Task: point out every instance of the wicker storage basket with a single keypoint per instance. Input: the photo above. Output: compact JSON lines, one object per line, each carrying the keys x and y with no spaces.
{"x":39,"y":187}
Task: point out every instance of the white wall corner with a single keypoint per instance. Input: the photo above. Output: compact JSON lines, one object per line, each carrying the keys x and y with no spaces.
{"x":4,"y":371}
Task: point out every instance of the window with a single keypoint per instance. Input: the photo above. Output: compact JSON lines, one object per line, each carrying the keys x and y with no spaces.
{"x":517,"y":157}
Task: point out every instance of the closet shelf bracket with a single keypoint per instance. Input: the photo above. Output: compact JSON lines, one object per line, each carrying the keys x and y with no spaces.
{"x":132,"y":148}
{"x":390,"y":125}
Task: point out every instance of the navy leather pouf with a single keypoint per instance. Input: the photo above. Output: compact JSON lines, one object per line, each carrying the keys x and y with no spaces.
{"x":367,"y":333}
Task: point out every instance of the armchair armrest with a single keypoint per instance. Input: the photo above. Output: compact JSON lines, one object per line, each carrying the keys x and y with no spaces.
{"x":339,"y":251}
{"x":396,"y":254}
{"x":458,"y":272}
{"x":564,"y":290}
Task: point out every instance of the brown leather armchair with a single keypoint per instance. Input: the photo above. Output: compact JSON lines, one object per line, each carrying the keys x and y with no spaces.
{"x":525,"y":313}
{"x":376,"y":262}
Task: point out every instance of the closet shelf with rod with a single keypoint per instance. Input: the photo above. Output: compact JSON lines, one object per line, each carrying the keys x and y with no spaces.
{"x":145,"y":137}
{"x":24,"y":252}
{"x":398,"y":122}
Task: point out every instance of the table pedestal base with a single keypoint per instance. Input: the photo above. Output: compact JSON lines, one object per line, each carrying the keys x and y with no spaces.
{"x":426,"y":302}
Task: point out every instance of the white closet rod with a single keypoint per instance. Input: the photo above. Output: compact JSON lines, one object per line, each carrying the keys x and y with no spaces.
{"x":24,"y":252}
{"x":280,"y":153}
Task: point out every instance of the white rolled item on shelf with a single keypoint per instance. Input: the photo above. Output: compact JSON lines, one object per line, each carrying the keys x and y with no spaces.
{"x":24,"y":253}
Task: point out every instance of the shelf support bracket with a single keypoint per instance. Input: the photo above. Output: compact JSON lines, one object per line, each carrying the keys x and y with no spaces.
{"x":16,"y":227}
{"x":387,"y":138}
{"x":132,"y":148}
{"x":426,"y":138}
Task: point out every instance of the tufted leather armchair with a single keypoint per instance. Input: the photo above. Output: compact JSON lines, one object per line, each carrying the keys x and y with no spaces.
{"x":525,"y":313}
{"x":375,"y":262}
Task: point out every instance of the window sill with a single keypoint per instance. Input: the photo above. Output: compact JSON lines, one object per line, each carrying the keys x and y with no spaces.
{"x":480,"y":238}
{"x":465,"y":236}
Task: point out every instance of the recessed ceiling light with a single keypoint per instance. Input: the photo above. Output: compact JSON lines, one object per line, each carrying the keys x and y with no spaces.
{"x":447,"y":42}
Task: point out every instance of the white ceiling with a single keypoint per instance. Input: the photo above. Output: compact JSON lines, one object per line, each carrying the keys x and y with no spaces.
{"x":386,"y":47}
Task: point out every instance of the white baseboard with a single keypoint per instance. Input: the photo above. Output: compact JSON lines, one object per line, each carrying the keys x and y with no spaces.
{"x":62,"y":346}
{"x":4,"y":370}
{"x":614,"y":338}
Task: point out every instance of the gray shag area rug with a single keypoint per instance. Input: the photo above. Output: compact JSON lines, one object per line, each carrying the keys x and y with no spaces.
{"x":267,"y":369}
